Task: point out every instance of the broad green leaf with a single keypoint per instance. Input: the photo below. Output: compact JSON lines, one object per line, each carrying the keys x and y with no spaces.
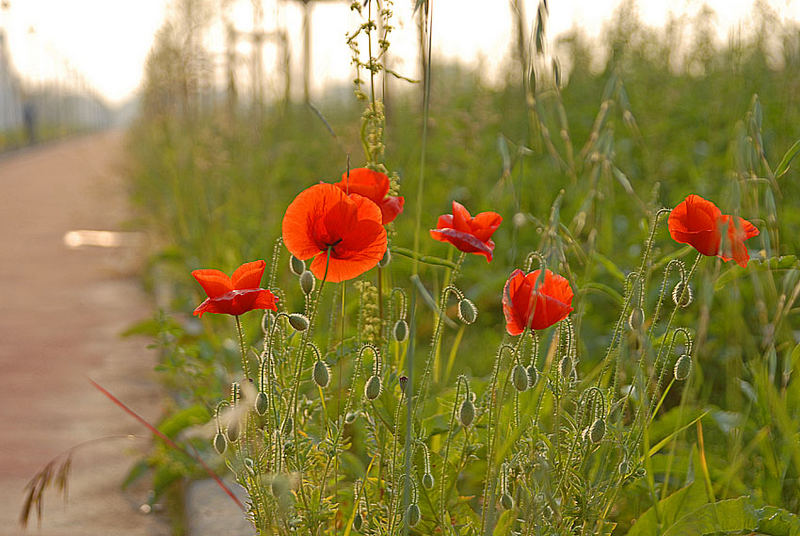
{"x":783,"y":167}
{"x":177,"y":422}
{"x":729,"y":516}
{"x":673,"y":507}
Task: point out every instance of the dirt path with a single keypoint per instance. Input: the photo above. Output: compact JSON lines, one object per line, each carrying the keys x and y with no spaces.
{"x":61,"y":312}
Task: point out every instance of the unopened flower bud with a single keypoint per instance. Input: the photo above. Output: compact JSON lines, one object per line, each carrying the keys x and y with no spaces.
{"x":413,"y":514}
{"x":636,"y":318}
{"x":519,"y":377}
{"x":351,"y":417}
{"x":624,"y":468}
{"x":386,"y":259}
{"x":288,"y":426}
{"x":400,"y":330}
{"x":248,"y":463}
{"x":322,"y":375}
{"x":427,"y":481}
{"x":220,"y":444}
{"x":307,"y":282}
{"x":296,"y":265}
{"x":683,"y":366}
{"x":533,"y":375}
{"x":597,"y":430}
{"x":681,"y":297}
{"x":507,"y":501}
{"x":280,"y":485}
{"x":298,"y":321}
{"x":466,"y":413}
{"x":358,"y":521}
{"x":403,"y":382}
{"x":373,"y":388}
{"x":467,"y":312}
{"x":261,"y":403}
{"x":232,"y":432}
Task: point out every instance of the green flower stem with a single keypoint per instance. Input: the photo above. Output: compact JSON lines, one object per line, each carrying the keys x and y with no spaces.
{"x":245,"y":366}
{"x":427,"y":259}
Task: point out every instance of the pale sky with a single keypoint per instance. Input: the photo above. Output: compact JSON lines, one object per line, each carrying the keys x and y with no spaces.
{"x":108,"y":40}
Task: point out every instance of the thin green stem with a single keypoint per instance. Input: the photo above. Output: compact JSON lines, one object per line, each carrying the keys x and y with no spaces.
{"x":245,"y":366}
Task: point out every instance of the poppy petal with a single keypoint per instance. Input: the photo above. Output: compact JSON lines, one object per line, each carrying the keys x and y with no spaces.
{"x":214,"y":282}
{"x":303,"y":222}
{"x":248,"y":275}
{"x":464,"y":241}
{"x":371,"y":184}
{"x":483,"y":225}
{"x":391,"y":207}
{"x":461,"y":217}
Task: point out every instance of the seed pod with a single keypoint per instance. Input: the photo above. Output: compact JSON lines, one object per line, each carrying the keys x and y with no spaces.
{"x":296,"y":265}
{"x":687,"y":294}
{"x":467,"y":312}
{"x":373,"y":387}
{"x":261,"y":403}
{"x":321,"y":374}
{"x":232,"y":432}
{"x":519,"y":377}
{"x":636,"y":318}
{"x":507,"y":501}
{"x":683,"y":366}
{"x":357,"y":522}
{"x":466,"y":413}
{"x":533,"y":375}
{"x":220,"y":444}
{"x":413,"y":514}
{"x":386,"y":259}
{"x":597,"y":430}
{"x":298,"y":321}
{"x":427,"y":481}
{"x":307,"y":282}
{"x":280,"y":485}
{"x":400,"y":330}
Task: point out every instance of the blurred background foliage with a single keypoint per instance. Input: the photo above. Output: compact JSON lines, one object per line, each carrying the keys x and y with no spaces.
{"x":577,"y":147}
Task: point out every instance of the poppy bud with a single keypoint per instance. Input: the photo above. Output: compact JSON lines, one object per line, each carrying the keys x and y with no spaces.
{"x":413,"y":514}
{"x":466,"y":413}
{"x":357,"y":522}
{"x":427,"y":481}
{"x":248,"y":463}
{"x":386,"y":259}
{"x":296,"y":265}
{"x":624,"y":468}
{"x":683,"y":366}
{"x":288,"y":425}
{"x":280,"y":485}
{"x":681,"y":297}
{"x":597,"y":430}
{"x":232,"y":432}
{"x":351,"y":417}
{"x":565,"y":366}
{"x":467,"y":312}
{"x":507,"y":501}
{"x":261,"y":403}
{"x":519,"y":377}
{"x":307,"y":282}
{"x":373,"y":388}
{"x":298,"y":321}
{"x":219,"y":443}
{"x":400,"y":330}
{"x":403,"y":382}
{"x":636,"y":319}
{"x":322,"y":375}
{"x":533,"y":375}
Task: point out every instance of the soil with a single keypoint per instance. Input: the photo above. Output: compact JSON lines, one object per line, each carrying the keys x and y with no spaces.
{"x":62,"y":310}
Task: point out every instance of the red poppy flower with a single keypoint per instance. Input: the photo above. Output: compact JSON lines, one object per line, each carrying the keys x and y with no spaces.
{"x":323,"y":218}
{"x":468,"y":234}
{"x":537,"y":306}
{"x":373,"y":185}
{"x":234,"y":295}
{"x":699,"y":223}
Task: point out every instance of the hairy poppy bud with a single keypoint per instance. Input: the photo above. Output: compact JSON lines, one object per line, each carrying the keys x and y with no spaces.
{"x":597,"y":430}
{"x":232,"y":432}
{"x":357,"y":522}
{"x":298,"y":321}
{"x":400,"y":330}
{"x":427,"y":481}
{"x":519,"y":377}
{"x":386,"y":259}
{"x":322,"y":375}
{"x":373,"y":387}
{"x":220,"y":444}
{"x":466,"y":413}
{"x":507,"y":501}
{"x":351,"y":417}
{"x":636,"y":318}
{"x":280,"y":485}
{"x":624,"y":468}
{"x":467,"y":312}
{"x":683,"y":366}
{"x":261,"y":403}
{"x":403,"y":382}
{"x":681,"y":297}
{"x":296,"y":265}
{"x":307,"y":282}
{"x":288,"y":426}
{"x":413,"y":514}
{"x":533,"y":375}
{"x":565,"y":366}
{"x":248,"y":463}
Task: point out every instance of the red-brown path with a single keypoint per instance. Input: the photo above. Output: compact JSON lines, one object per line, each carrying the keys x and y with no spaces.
{"x":61,"y":313}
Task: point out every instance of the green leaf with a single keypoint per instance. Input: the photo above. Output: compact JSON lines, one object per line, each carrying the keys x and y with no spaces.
{"x":684,"y":500}
{"x":783,"y":167}
{"x":191,"y":416}
{"x":609,"y":265}
{"x":504,"y":524}
{"x":729,"y":516}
